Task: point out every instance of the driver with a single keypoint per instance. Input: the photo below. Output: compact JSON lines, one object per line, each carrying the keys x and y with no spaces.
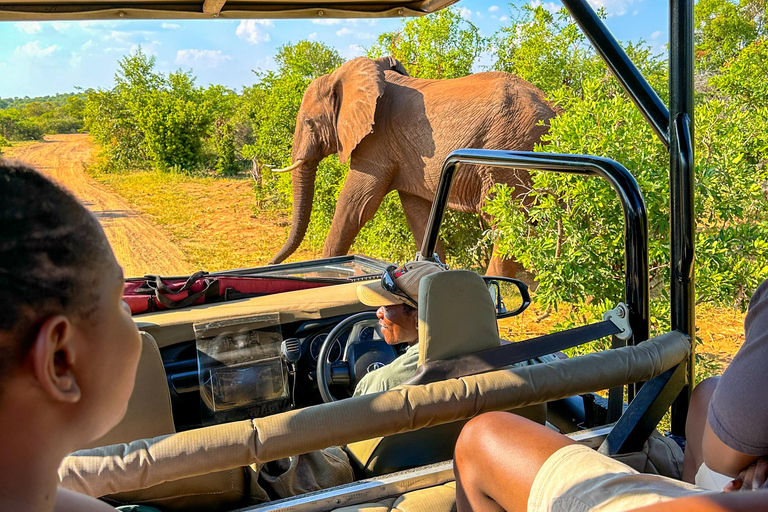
{"x":395,"y":294}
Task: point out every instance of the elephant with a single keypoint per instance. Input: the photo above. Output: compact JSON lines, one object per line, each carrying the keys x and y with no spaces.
{"x":396,"y":131}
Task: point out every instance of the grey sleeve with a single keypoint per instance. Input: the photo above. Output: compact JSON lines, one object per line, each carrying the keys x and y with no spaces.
{"x":738,"y":412}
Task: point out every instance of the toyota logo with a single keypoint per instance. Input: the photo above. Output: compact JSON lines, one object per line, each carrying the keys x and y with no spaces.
{"x":374,"y":366}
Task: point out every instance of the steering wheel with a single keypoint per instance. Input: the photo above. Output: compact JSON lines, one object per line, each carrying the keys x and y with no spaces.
{"x":359,"y":356}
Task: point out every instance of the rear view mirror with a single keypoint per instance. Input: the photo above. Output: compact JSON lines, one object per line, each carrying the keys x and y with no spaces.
{"x":510,"y":296}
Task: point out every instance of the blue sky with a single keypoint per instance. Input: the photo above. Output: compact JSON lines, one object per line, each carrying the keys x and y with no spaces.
{"x":47,"y":58}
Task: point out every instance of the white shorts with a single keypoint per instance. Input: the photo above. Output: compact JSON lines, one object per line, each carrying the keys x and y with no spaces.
{"x":711,"y":480}
{"x":578,"y":479}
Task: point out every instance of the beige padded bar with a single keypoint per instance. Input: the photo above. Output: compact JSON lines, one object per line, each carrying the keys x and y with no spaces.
{"x":143,"y":463}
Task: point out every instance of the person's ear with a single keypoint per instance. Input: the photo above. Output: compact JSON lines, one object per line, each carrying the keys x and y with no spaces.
{"x":53,"y":356}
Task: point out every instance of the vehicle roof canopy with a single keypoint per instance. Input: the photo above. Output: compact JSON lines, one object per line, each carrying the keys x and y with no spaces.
{"x":47,"y":10}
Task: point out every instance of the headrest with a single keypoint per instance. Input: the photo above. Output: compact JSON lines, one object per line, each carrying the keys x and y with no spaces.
{"x":456,"y":316}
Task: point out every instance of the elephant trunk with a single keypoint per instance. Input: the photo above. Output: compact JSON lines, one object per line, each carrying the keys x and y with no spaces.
{"x":303,"y":179}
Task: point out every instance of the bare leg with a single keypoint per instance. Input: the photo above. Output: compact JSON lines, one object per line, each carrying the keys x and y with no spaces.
{"x":358,"y":201}
{"x":497,"y":458}
{"x":694,"y":427}
{"x":501,"y":268}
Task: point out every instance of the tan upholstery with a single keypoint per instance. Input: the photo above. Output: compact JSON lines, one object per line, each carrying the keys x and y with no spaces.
{"x":174,"y":326}
{"x":148,"y":462}
{"x":149,"y":415}
{"x":456,"y":317}
{"x":149,"y":411}
{"x":440,"y":498}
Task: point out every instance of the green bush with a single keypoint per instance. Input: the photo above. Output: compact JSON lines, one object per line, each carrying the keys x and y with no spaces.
{"x":150,"y":120}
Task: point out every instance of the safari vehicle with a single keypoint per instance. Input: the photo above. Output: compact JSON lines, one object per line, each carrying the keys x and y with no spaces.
{"x":205,"y":367}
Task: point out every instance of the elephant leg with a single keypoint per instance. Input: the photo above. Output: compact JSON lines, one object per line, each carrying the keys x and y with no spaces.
{"x":501,"y":267}
{"x":358,"y":201}
{"x":417,"y":210}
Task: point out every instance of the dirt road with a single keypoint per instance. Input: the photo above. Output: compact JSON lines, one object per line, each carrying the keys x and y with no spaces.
{"x":139,"y":245}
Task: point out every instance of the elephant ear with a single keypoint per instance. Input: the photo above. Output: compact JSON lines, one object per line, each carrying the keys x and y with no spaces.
{"x":360,"y":84}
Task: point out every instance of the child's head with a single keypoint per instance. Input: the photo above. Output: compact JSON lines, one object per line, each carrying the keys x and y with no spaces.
{"x":65,"y":337}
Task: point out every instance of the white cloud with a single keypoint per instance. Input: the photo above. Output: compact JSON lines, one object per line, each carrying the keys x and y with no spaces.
{"x":354,"y":50}
{"x":493,"y":8}
{"x":254,"y":31}
{"x":170,"y":26}
{"x":504,"y":18}
{"x":29,"y":27}
{"x":346,"y":31}
{"x":312,"y":36}
{"x":658,"y":46}
{"x":465,"y":13}
{"x":329,"y":21}
{"x":547,"y":6}
{"x":75,"y":60}
{"x":612,"y":7}
{"x":204,"y":58}
{"x":33,"y":49}
{"x":88,"y":45}
{"x":130,"y":36}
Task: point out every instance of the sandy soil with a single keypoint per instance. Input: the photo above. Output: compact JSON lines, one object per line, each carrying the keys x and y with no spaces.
{"x":138,"y":243}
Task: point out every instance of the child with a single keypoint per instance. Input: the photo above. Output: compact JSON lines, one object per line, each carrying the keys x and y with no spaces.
{"x":68,"y":346}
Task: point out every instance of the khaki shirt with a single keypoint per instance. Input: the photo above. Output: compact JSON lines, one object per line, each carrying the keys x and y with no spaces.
{"x":395,"y":373}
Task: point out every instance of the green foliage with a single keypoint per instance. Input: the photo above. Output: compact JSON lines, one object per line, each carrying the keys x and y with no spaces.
{"x":15,"y":126}
{"x":725,"y":27}
{"x":30,"y":118}
{"x":439,"y":45}
{"x":149,"y":119}
{"x":550,"y":51}
{"x":575,"y":240}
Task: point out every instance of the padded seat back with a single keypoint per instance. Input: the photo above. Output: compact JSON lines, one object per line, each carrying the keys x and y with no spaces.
{"x":456,"y":316}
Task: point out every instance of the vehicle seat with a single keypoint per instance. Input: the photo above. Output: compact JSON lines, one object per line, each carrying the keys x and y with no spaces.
{"x":456,"y":317}
{"x":149,"y":415}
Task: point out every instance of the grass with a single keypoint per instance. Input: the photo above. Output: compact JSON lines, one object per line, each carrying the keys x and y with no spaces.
{"x":215,"y":221}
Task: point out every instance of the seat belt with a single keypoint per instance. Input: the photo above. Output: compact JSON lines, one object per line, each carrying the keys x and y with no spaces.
{"x":615,"y":323}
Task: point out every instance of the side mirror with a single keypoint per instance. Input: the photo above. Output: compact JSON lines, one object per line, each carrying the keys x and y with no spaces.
{"x":510,"y":296}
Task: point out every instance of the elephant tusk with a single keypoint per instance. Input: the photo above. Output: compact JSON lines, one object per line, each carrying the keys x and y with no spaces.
{"x":291,"y":167}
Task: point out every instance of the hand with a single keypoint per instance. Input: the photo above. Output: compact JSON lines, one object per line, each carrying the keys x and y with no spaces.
{"x":751,"y":478}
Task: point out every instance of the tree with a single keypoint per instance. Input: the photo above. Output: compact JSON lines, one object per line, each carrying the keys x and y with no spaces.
{"x":439,"y":45}
{"x":724,"y":27}
{"x":571,"y":232}
{"x":148,"y":118}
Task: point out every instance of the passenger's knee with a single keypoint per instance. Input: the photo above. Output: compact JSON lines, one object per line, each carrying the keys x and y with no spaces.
{"x":475,"y":434}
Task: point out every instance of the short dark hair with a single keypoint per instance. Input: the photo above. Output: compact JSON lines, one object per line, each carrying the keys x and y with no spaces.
{"x":51,"y":254}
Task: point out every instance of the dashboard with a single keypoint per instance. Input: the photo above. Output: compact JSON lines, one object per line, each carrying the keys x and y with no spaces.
{"x":194,"y":393}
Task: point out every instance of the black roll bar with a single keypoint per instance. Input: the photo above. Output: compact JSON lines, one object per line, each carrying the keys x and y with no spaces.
{"x":622,"y":181}
{"x":681,"y":188}
{"x":675,"y":128}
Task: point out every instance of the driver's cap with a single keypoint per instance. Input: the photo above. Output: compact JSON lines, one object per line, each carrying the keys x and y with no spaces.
{"x":407,"y":279}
